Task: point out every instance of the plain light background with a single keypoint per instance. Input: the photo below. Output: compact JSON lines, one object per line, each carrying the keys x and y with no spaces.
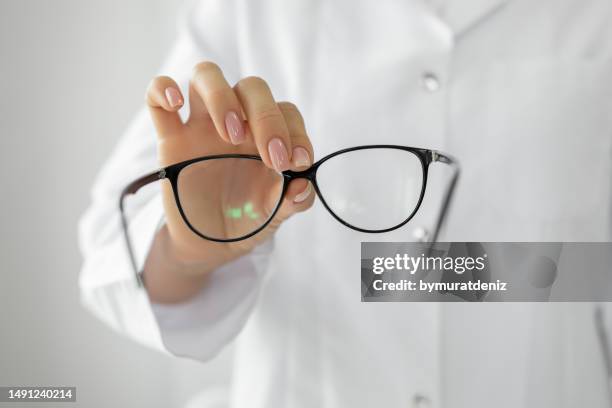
{"x":72,"y":75}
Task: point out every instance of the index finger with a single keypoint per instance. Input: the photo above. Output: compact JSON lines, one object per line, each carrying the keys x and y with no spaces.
{"x":220,"y":101}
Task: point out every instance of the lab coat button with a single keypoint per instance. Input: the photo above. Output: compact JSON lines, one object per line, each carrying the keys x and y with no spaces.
{"x":421,"y":401}
{"x":420,"y":234}
{"x":431,"y":82}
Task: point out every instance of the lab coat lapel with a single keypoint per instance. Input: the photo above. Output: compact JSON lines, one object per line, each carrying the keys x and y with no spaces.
{"x":461,"y":16}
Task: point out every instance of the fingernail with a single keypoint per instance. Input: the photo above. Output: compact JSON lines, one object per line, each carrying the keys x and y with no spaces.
{"x":303,"y":195}
{"x":278,"y":154}
{"x":173,"y":96}
{"x":301,"y":157}
{"x":234,"y":127}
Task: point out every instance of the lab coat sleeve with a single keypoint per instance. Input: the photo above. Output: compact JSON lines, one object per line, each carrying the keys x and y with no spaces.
{"x":200,"y":327}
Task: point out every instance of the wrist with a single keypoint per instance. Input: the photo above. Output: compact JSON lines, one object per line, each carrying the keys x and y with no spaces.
{"x":170,"y":278}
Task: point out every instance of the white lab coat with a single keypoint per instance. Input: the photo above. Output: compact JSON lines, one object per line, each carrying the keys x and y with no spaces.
{"x":518,"y":90}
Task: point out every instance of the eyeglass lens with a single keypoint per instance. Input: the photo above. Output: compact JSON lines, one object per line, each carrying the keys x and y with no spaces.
{"x":372,"y":189}
{"x":228,"y":198}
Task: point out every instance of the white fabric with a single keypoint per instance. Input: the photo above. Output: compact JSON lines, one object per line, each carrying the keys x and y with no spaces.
{"x":525,"y":103}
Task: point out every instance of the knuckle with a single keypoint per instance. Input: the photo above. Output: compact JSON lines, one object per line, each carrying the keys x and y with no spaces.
{"x":205,"y":66}
{"x":288,"y":107}
{"x":252,"y":81}
{"x":267,"y":115}
{"x":291,"y":112}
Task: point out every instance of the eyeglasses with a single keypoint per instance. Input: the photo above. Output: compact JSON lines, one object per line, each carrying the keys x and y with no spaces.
{"x":372,"y":189}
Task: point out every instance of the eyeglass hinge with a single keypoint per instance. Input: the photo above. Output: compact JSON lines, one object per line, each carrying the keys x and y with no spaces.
{"x":161,"y":174}
{"x":434,"y":156}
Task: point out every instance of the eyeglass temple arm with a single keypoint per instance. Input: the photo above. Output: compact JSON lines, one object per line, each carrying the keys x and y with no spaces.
{"x":440,"y":157}
{"x":130,"y":189}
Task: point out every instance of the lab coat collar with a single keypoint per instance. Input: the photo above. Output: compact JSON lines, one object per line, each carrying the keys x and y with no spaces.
{"x":461,"y":16}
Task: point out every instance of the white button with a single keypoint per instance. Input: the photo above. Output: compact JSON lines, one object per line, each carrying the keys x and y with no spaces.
{"x":431,"y":82}
{"x":421,"y":401}
{"x":420,"y":234}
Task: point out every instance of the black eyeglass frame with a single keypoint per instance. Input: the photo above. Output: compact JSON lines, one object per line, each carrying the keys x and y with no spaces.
{"x":425,"y":156}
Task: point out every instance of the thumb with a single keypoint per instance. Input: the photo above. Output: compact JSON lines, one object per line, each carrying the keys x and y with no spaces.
{"x":300,"y":196}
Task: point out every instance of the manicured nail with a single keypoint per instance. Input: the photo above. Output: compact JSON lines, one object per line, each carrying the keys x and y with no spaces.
{"x":234,"y":127}
{"x":173,"y":96}
{"x":278,"y":154}
{"x":303,"y":195}
{"x":301,"y":157}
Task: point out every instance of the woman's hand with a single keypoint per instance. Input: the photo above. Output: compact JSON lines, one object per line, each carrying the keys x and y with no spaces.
{"x":241,"y":119}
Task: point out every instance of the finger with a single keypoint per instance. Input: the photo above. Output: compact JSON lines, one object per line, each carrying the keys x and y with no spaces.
{"x":266,"y":122}
{"x":164,"y":99}
{"x":302,"y":154}
{"x":299,"y":197}
{"x":197,"y":108}
{"x":221,"y":102}
{"x":299,"y":191}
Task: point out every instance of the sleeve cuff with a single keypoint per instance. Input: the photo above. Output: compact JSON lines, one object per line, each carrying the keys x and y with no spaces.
{"x":108,"y":286}
{"x":202,"y":326}
{"x":196,"y":329}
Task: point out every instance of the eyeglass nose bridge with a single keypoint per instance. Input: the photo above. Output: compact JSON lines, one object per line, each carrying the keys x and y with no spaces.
{"x":308,"y":174}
